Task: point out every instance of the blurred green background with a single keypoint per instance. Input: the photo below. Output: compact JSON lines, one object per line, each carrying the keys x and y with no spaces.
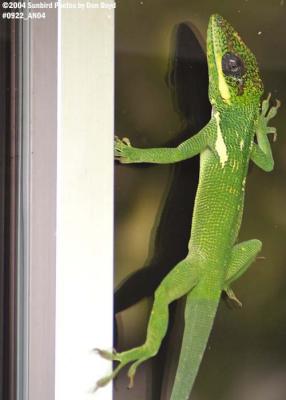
{"x":246,"y":356}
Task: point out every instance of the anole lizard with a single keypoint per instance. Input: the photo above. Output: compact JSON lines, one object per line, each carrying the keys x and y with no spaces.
{"x":226,"y":145}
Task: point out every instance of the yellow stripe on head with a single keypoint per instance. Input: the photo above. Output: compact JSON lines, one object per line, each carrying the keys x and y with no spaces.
{"x":222,"y":85}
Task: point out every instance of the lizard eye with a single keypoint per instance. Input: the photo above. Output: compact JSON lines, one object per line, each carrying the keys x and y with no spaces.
{"x":232,"y":65}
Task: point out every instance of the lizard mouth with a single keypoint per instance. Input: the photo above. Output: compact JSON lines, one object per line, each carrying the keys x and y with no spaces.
{"x":216,"y":19}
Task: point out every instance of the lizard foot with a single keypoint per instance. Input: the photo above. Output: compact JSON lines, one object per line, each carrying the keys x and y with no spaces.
{"x":267,"y":113}
{"x":138,"y":354}
{"x":123,"y":150}
{"x":112,"y":356}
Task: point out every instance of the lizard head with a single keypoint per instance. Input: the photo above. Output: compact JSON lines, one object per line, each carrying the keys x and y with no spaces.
{"x":233,"y":71}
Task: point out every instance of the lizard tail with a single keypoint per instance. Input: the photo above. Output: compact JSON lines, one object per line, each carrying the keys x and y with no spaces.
{"x":199,"y":318}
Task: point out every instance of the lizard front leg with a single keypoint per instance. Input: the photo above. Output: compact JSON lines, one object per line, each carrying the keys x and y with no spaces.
{"x":261,"y":153}
{"x":126,"y":153}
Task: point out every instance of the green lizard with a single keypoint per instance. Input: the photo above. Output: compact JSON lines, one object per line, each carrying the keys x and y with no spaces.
{"x":226,"y":145}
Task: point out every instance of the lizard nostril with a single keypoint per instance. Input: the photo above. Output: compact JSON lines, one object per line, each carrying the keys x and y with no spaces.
{"x":219,"y":19}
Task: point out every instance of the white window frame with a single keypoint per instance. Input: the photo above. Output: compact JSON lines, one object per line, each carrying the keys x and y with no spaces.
{"x":65,"y":250}
{"x":37,"y":209}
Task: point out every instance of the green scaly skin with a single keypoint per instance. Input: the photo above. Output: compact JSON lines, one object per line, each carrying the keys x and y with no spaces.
{"x":215,"y":260}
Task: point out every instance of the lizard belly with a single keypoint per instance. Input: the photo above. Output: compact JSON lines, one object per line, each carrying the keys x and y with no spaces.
{"x":218,"y":205}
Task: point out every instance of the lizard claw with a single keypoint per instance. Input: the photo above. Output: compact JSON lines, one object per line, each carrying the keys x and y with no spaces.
{"x":131,"y":382}
{"x":107,"y":355}
{"x":232,"y":297}
{"x":126,"y":141}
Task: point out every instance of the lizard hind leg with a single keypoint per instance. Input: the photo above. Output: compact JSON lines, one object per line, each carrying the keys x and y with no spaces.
{"x":175,"y":285}
{"x":242,"y":256}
